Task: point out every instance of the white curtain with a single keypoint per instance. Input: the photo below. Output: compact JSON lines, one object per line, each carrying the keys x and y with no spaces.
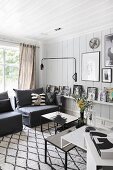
{"x":27,"y":67}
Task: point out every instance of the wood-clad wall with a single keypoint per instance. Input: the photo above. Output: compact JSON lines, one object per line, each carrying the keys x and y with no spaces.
{"x":59,"y":72}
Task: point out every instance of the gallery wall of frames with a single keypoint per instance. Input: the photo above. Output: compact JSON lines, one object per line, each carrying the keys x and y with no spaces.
{"x":96,"y":77}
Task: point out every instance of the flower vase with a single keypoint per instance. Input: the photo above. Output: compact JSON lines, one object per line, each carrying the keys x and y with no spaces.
{"x":81,"y":120}
{"x":82,"y":115}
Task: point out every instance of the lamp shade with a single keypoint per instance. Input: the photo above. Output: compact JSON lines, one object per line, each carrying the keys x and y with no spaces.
{"x":41,"y":66}
{"x":75,"y":77}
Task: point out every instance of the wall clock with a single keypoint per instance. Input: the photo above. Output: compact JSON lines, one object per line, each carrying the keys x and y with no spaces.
{"x":94,"y":43}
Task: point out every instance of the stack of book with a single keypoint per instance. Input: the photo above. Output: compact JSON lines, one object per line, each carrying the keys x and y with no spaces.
{"x":103,"y":144}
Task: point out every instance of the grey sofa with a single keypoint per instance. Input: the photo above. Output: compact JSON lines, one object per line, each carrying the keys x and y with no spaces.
{"x":32,"y":114}
{"x":10,"y":121}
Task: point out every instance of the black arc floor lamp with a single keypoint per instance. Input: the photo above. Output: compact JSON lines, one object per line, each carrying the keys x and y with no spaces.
{"x":64,"y":58}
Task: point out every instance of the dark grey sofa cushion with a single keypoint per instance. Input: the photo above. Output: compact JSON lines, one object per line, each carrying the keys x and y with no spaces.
{"x":31,"y":109}
{"x":9,"y":115}
{"x":5,"y":106}
{"x":50,"y":98}
{"x":32,"y":114}
{"x":10,"y":122}
{"x":3,"y":95}
{"x":23,"y":97}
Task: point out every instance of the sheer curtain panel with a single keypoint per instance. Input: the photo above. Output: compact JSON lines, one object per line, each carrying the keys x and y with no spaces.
{"x":27,"y":67}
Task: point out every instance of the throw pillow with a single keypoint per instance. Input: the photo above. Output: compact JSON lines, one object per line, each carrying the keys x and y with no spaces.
{"x":3,"y":95}
{"x":5,"y":106}
{"x":23,"y":97}
{"x":50,"y":98}
{"x":38,"y":99}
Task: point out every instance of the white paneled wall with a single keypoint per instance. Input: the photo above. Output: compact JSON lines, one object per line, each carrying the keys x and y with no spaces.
{"x":59,"y":72}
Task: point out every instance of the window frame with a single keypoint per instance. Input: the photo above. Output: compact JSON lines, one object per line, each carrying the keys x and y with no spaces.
{"x":5,"y":64}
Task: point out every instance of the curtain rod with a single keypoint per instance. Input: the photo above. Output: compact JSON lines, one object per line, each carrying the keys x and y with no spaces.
{"x":14,"y":42}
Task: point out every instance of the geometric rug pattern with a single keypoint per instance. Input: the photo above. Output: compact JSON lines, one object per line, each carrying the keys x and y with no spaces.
{"x":25,"y":151}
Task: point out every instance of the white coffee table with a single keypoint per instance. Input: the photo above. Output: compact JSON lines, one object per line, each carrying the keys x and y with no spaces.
{"x":52,"y":116}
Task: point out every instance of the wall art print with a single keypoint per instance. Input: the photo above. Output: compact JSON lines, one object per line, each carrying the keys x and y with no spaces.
{"x":109,"y":50}
{"x":90,"y":66}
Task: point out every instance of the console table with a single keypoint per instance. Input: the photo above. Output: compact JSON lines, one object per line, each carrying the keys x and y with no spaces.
{"x":83,"y":140}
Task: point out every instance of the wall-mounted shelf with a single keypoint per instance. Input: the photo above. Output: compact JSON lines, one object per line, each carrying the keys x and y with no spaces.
{"x":104,"y":103}
{"x":95,"y":101}
{"x":69,"y":97}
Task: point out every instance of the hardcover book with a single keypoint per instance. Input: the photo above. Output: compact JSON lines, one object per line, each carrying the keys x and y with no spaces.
{"x":103,"y":144}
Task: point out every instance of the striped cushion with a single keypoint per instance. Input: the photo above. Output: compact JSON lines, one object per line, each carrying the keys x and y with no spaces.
{"x":38,"y":99}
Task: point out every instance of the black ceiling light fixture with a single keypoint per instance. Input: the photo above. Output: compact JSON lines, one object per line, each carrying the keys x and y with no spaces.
{"x":64,"y":58}
{"x":58,"y":29}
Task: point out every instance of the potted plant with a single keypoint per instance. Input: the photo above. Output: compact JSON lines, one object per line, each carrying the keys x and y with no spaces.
{"x":84,"y":104}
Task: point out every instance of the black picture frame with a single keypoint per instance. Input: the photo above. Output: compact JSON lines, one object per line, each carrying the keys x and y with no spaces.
{"x":50,"y":89}
{"x":109,"y":92}
{"x":92,"y":93}
{"x":106,"y":75}
{"x":77,"y":90}
{"x":90,"y":66}
{"x":65,"y":90}
{"x":108,"y":50}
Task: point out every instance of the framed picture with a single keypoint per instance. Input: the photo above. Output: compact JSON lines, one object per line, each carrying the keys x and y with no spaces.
{"x":109,"y":95}
{"x":90,"y":66}
{"x":77,"y":90}
{"x":66,"y":90}
{"x":50,"y":88}
{"x":108,"y":50}
{"x":92,"y":93}
{"x":107,"y":75}
{"x":103,"y":95}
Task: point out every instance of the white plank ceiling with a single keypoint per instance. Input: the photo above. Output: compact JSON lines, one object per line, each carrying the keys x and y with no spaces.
{"x":37,"y":19}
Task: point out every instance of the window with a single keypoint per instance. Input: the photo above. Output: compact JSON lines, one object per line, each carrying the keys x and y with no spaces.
{"x":9,"y":68}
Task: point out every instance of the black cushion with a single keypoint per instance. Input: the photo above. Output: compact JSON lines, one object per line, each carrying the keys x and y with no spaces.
{"x":50,"y":98}
{"x":9,"y":114}
{"x":32,"y":114}
{"x":23,"y":97}
{"x":5,"y":106}
{"x":38,"y":109}
{"x":3,"y":95}
{"x":10,"y":122}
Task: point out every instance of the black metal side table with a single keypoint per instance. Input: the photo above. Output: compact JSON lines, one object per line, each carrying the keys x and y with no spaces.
{"x":55,"y":140}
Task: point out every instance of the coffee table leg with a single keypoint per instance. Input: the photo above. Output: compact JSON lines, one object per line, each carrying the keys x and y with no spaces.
{"x":41,"y":124}
{"x":45,"y":151}
{"x":55,"y":129}
{"x":48,"y":125}
{"x":65,"y":161}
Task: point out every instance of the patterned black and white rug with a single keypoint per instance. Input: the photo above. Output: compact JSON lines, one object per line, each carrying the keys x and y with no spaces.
{"x":25,"y":151}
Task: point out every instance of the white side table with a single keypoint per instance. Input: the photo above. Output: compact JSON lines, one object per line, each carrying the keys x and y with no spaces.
{"x":83,"y":140}
{"x":75,"y":137}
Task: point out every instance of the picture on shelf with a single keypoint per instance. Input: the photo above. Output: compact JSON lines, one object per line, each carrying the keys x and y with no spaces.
{"x":60,"y":89}
{"x":107,"y":75}
{"x":109,"y":93}
{"x":109,"y":50}
{"x":103,"y":95}
{"x":66,"y":90}
{"x":50,"y":88}
{"x":77,"y":90}
{"x":92,"y":93}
